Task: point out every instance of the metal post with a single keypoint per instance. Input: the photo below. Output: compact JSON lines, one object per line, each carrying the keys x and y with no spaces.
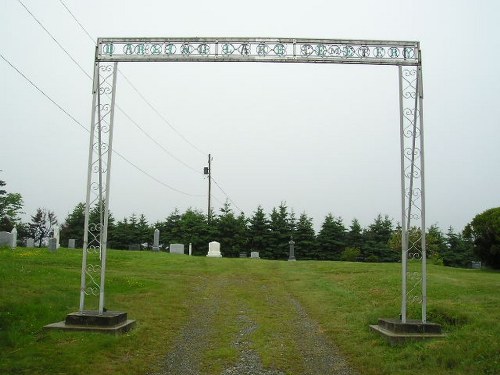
{"x":412,"y":193}
{"x":209,"y":187}
{"x":104,"y":229}
{"x":422,"y":202}
{"x":404,"y":239}
{"x":83,"y":283}
{"x":99,"y":163}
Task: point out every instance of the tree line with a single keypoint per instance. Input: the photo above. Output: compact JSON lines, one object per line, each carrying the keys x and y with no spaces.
{"x":268,"y":233}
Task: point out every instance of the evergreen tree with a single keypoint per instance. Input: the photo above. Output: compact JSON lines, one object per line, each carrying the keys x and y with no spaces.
{"x":194,"y":229}
{"x":458,"y":251}
{"x":376,"y":245}
{"x":355,"y":239}
{"x":231,"y":232}
{"x":170,"y":229}
{"x":331,"y":238}
{"x":280,"y":233}
{"x":258,"y":231}
{"x":144,"y":231}
{"x":73,"y":226}
{"x":305,"y":238}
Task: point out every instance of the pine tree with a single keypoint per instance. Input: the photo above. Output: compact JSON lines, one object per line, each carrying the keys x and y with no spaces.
{"x":280,"y":233}
{"x":305,"y":238}
{"x":331,"y":238}
{"x":74,"y":225}
{"x":258,"y":231}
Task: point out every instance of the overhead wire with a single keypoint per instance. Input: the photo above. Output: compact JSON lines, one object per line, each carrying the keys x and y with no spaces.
{"x":121,"y":109}
{"x":227,"y":196}
{"x":153,"y":108}
{"x":34,"y":85}
{"x":117,"y":105}
{"x":92,"y":39}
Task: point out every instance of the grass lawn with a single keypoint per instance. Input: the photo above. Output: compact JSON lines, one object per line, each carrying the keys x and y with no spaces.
{"x":161,"y":291}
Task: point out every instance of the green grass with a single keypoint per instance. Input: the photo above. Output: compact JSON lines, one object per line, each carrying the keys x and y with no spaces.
{"x":161,"y":291}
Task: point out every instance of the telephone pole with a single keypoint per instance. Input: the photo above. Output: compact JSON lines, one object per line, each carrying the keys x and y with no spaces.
{"x":208,"y":171}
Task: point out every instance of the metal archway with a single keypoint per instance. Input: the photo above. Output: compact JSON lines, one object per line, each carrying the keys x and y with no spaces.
{"x":405,"y":55}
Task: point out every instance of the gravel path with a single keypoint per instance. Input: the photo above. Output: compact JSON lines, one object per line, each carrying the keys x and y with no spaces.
{"x":319,"y":355}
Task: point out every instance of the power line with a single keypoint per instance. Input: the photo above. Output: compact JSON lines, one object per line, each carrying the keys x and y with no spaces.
{"x":90,"y":77}
{"x":87,"y":130}
{"x":42,"y":92}
{"x":227,"y":196}
{"x":54,"y":39}
{"x":159,"y":114}
{"x":135,"y":88}
{"x":152,"y":108}
{"x":121,"y":110}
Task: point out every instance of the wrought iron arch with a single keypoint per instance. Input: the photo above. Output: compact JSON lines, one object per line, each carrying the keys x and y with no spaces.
{"x":406,"y":56}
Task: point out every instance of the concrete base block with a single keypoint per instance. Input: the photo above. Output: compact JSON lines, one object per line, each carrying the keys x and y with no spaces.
{"x":397,"y":332}
{"x":114,"y":322}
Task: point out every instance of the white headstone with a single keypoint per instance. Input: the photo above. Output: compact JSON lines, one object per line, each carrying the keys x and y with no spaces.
{"x":56,"y":235}
{"x":214,"y":250}
{"x":13,"y":238}
{"x":176,"y":248}
{"x":30,"y":242}
{"x":156,"y":240}
{"x":5,"y":238}
{"x":190,"y":249}
{"x":254,"y":254}
{"x":71,"y":243}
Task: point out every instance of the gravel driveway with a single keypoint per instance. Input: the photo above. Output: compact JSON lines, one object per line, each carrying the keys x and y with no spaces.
{"x":319,"y":355}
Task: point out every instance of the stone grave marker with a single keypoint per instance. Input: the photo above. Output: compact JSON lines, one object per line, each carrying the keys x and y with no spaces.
{"x":176,"y":248}
{"x":71,"y":243}
{"x":5,"y":238}
{"x":56,"y":236}
{"x":156,"y":240}
{"x":254,"y":255}
{"x":30,"y":242}
{"x":52,"y":244}
{"x":13,"y":238}
{"x":214,"y":250}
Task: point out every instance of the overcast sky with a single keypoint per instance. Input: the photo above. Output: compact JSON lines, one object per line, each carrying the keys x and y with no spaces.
{"x":321,"y":137}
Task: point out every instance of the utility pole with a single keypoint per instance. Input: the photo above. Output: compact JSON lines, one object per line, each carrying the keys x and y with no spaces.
{"x":208,"y":171}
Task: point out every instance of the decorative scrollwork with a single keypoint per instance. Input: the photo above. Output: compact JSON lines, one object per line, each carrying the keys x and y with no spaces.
{"x":299,"y":50}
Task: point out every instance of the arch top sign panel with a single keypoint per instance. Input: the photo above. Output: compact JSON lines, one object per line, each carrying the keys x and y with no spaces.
{"x":283,"y":50}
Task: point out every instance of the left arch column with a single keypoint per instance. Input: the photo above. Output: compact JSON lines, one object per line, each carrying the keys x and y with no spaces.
{"x":98,"y":186}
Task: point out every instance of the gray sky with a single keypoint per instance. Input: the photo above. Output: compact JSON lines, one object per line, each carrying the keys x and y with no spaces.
{"x":322,"y":137}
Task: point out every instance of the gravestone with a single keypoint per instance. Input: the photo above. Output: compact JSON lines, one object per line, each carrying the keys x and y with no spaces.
{"x":52,"y":244}
{"x":476,"y":265}
{"x":71,"y":243}
{"x":243,"y":255}
{"x":190,"y":249}
{"x":5,"y":239}
{"x":13,"y":238}
{"x":254,"y":255}
{"x":176,"y":248}
{"x":156,"y":240}
{"x":214,"y":250}
{"x":56,"y":236}
{"x":30,"y":242}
